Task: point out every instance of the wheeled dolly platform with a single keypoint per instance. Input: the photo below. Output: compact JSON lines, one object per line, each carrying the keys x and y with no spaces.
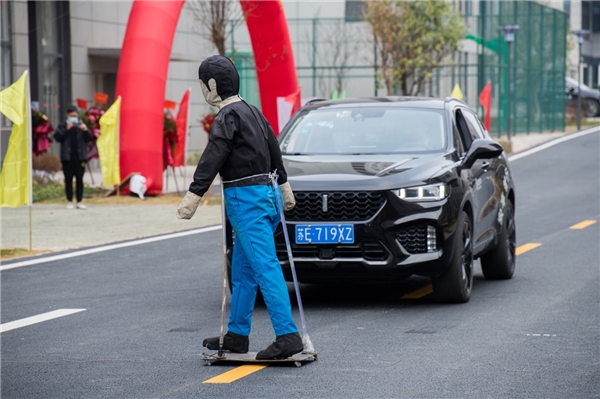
{"x":298,"y":359}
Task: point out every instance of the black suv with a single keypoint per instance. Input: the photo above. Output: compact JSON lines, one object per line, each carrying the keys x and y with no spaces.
{"x":387,"y":188}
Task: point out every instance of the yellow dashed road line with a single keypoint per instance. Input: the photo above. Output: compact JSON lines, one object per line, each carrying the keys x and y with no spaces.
{"x":583,"y":225}
{"x":420,"y":293}
{"x":527,"y":247}
{"x":235,"y":374}
{"x":243,"y":371}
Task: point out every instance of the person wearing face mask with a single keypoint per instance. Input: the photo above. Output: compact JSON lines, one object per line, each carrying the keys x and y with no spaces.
{"x":72,"y":135}
{"x":243,"y":149}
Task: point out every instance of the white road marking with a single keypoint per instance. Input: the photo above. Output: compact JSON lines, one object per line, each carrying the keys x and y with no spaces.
{"x":37,"y":319}
{"x":595,"y":129}
{"x":107,"y":248}
{"x":541,"y":335}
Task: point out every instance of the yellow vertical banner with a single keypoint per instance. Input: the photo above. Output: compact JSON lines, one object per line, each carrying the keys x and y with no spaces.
{"x":15,"y":177}
{"x":108,"y":145}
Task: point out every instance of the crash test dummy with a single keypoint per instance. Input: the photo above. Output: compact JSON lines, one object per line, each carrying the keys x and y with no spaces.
{"x":243,"y":149}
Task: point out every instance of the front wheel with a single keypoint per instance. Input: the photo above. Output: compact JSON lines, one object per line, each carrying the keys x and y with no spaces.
{"x":590,"y":108}
{"x":499,"y":263}
{"x":456,"y":284}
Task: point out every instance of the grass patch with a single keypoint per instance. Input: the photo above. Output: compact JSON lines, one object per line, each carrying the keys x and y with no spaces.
{"x":584,"y":123}
{"x":11,"y":253}
{"x":54,"y":192}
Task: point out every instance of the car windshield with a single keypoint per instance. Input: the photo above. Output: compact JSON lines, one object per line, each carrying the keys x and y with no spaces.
{"x":365,"y":130}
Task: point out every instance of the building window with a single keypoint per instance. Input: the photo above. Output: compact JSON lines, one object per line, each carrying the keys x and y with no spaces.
{"x":6,"y":78}
{"x":5,"y":37}
{"x":590,"y":16}
{"x":354,"y":10}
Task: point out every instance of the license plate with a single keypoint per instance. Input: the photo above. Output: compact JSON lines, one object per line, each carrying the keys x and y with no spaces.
{"x":325,"y":234}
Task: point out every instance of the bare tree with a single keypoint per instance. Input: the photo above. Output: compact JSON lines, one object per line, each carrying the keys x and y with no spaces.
{"x":339,"y":46}
{"x":216,"y":20}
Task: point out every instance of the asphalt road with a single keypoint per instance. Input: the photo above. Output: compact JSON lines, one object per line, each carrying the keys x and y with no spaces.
{"x":148,"y":307}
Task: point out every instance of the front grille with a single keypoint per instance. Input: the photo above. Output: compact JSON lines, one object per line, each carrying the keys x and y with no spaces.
{"x":368,"y":250}
{"x":414,"y":238}
{"x":340,"y":206}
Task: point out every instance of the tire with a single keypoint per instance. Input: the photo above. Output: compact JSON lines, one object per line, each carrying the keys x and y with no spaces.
{"x":590,"y":108}
{"x":456,"y":283}
{"x":499,"y":263}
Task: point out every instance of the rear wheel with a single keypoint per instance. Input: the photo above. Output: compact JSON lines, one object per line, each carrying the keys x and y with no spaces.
{"x":499,"y":263}
{"x":456,"y":284}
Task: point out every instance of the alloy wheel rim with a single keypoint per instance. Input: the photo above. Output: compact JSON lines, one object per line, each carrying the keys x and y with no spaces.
{"x":467,"y":258}
{"x":511,"y":240}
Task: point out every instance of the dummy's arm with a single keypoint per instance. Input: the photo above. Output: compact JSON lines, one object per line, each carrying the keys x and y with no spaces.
{"x":277,"y":163}
{"x":215,"y":154}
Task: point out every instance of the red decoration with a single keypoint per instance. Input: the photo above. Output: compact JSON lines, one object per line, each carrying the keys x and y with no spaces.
{"x":273,"y":54}
{"x":141,"y":82}
{"x":207,"y":122}
{"x":170,"y":105}
{"x":40,"y":130}
{"x":182,"y":121}
{"x":91,"y":118}
{"x":170,"y":139}
{"x":81,"y":103}
{"x":101,"y":98}
{"x":485,"y":99}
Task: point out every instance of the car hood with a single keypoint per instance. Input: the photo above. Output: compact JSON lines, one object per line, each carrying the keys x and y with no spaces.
{"x":361,"y":172}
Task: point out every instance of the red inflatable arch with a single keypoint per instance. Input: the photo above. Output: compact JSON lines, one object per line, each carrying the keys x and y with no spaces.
{"x":144,"y":64}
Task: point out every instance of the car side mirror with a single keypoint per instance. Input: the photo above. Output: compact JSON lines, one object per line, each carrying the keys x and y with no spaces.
{"x":481,"y":149}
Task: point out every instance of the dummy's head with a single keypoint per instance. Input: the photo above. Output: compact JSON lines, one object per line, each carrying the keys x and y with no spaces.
{"x":219,"y":79}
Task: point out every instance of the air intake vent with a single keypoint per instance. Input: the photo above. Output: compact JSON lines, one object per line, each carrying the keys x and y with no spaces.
{"x":341,"y":206}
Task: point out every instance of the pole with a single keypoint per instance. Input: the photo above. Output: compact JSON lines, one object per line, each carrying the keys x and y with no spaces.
{"x":314,"y":56}
{"x":508,"y":124}
{"x":30,"y":149}
{"x":579,"y":90}
{"x":187,"y":131}
{"x":224,"y":221}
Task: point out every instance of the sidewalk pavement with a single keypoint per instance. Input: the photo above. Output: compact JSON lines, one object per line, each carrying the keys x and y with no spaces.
{"x":55,"y":228}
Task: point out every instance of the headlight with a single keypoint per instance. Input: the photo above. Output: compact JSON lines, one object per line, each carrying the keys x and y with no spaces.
{"x":432,"y":192}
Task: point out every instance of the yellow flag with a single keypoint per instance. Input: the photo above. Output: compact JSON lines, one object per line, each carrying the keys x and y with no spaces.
{"x":15,"y":178}
{"x":108,"y":145}
{"x":457,"y":92}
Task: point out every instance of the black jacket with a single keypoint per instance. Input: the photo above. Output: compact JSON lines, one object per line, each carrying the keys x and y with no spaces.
{"x":241,"y":141}
{"x":241,"y":144}
{"x":63,"y":136}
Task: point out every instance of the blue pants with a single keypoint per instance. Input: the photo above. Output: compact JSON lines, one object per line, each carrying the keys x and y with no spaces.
{"x":254,"y":216}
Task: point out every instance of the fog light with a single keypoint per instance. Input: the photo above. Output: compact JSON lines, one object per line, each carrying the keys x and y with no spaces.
{"x":431,"y":239}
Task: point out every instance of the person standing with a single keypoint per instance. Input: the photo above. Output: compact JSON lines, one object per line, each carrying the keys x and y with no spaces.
{"x":73,"y":134}
{"x":242,"y":147}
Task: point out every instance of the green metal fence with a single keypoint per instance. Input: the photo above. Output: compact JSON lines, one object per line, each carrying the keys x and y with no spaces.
{"x":338,"y":55}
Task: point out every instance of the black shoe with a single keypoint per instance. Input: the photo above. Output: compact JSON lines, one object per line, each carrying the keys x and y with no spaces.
{"x":284,"y":346}
{"x":231,"y":342}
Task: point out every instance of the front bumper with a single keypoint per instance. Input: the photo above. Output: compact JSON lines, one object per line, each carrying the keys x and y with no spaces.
{"x":389,"y":245}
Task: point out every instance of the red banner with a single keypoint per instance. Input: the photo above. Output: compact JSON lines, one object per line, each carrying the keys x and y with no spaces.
{"x":181,"y":121}
{"x":81,"y":103}
{"x":170,"y":104}
{"x":101,"y":98}
{"x":485,"y":99}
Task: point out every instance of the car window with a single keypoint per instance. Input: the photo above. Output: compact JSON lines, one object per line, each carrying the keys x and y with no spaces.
{"x":463,"y":129}
{"x":365,"y":130}
{"x":474,"y":126}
